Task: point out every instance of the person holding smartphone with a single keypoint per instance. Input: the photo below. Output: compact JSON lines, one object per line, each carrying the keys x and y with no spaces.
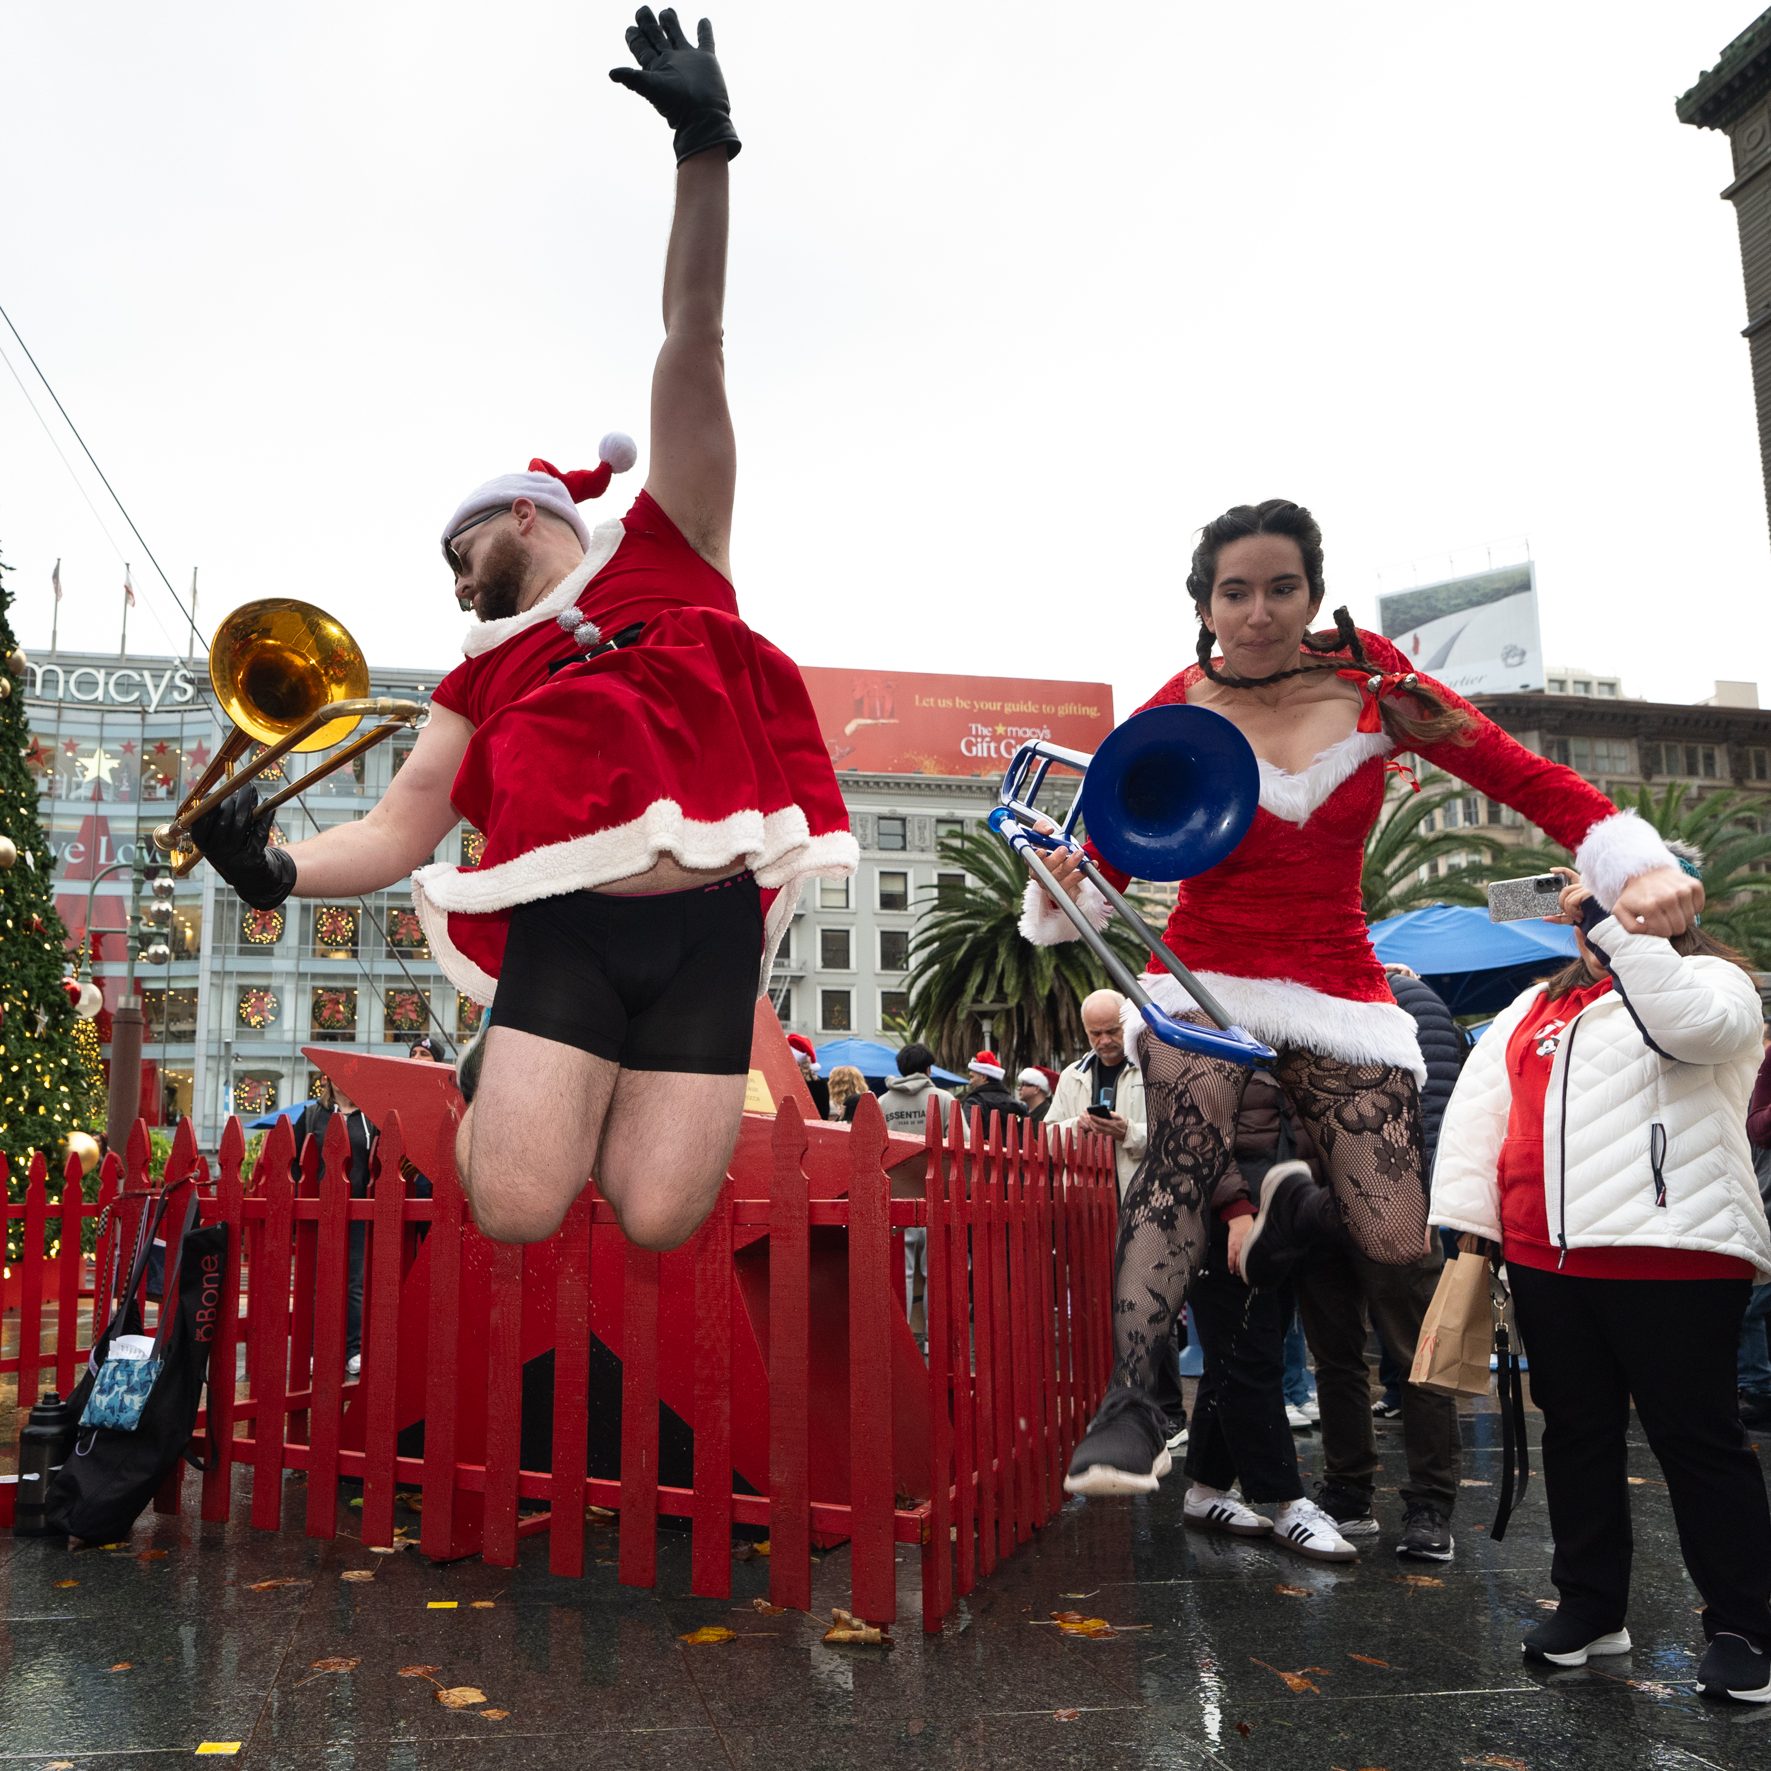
{"x":1276,"y":931}
{"x":1598,"y":1135}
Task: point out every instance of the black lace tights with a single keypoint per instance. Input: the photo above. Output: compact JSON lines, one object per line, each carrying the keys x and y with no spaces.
{"x":1364,"y":1120}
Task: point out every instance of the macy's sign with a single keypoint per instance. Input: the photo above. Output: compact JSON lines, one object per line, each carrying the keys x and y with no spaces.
{"x":127,"y":686}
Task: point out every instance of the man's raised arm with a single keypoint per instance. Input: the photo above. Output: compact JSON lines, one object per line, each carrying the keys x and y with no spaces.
{"x":694,"y":454}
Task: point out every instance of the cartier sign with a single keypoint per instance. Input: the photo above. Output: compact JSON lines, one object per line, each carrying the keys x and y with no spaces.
{"x":147,"y":686}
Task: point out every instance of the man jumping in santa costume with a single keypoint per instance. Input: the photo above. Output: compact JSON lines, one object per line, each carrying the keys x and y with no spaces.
{"x":647,"y":773}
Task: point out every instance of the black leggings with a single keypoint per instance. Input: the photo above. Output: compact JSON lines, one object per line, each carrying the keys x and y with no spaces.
{"x":1365,"y":1123}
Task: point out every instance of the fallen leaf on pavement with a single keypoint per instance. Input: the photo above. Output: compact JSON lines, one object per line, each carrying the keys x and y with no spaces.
{"x":280,"y":1580}
{"x":846,"y":1627}
{"x":1296,"y":1682}
{"x":495,"y":1715}
{"x":1078,"y":1595}
{"x":1066,"y":1715}
{"x":765,"y":1608}
{"x":1286,"y":1592}
{"x":124,"y":1666}
{"x":461,"y":1697}
{"x":482,"y":1605}
{"x":416,"y":1672}
{"x":67,"y":1583}
{"x":1549,"y":1604}
{"x":358,"y":1574}
{"x":1499,"y":1761}
{"x":1651,"y":1687}
{"x":1420,"y":1580}
{"x":1073,"y":1623}
{"x":708,"y":1633}
{"x":750,"y":1551}
{"x":336,"y":1663}
{"x":1244,"y":1730}
{"x":1474,"y":1482}
{"x":152,"y":1555}
{"x":59,"y":1765}
{"x":1369,"y":1660}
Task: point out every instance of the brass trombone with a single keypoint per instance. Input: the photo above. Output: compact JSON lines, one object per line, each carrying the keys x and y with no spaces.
{"x":291,"y":678}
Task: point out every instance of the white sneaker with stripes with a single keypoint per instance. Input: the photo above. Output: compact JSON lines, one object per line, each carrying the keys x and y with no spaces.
{"x":1211,"y":1509}
{"x":1301,"y":1525}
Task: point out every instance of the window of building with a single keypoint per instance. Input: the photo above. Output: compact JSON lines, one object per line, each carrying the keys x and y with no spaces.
{"x":833,"y":894}
{"x":949,"y":888}
{"x":894,"y":889}
{"x":946,"y":827}
{"x":406,"y":1011}
{"x":334,"y":1012}
{"x":893,"y":834}
{"x":894,"y":950}
{"x":894,"y":1007}
{"x":335,"y":931}
{"x":836,"y":950}
{"x":405,"y":933}
{"x":1558,"y":685}
{"x":781,"y":995}
{"x":836,"y":1011}
{"x":1758,"y":763}
{"x":1592,"y":757}
{"x":1608,"y":689}
{"x":171,"y":1014}
{"x":1695,"y":762}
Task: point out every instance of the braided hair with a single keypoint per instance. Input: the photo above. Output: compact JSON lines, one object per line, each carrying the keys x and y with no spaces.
{"x":1428,"y":719}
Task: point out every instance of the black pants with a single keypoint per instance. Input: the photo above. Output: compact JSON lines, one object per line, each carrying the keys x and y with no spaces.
{"x":1239,"y":1430}
{"x":1166,"y":1390}
{"x":1334,"y":1294}
{"x":1669,"y":1343}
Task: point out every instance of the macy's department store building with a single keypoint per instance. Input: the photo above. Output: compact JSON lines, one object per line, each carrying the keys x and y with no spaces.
{"x":117,"y":741}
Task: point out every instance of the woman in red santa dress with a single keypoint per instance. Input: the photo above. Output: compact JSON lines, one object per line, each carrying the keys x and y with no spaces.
{"x":1277,"y":931}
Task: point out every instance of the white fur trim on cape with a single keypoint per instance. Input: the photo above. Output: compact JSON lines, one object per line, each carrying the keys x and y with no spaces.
{"x":1295,"y":797}
{"x":1283,"y":1013}
{"x":779,"y":849}
{"x":604,"y":539}
{"x":1615,"y":850}
{"x":1045,"y":925}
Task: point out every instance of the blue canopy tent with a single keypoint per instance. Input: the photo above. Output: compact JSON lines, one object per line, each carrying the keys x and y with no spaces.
{"x":874,"y":1060}
{"x":1477,"y":966}
{"x":266,"y":1120}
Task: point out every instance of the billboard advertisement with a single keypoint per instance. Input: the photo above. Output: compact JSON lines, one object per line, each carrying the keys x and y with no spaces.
{"x":1476,"y":634}
{"x":904,"y":722}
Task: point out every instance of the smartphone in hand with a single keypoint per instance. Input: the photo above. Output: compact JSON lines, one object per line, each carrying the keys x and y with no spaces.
{"x":1513,"y":900}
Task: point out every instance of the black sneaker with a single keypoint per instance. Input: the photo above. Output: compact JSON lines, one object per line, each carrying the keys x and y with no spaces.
{"x":1384,"y":1409}
{"x":1565,"y":1641}
{"x":1426,"y":1532}
{"x":1755,"y":1408}
{"x":1348,"y":1507}
{"x":1271,"y":1248}
{"x":1176,"y":1436}
{"x":1125,"y":1450}
{"x":1733,"y":1667}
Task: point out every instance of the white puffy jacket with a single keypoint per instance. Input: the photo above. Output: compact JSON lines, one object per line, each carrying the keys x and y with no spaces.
{"x":1643,"y":1147}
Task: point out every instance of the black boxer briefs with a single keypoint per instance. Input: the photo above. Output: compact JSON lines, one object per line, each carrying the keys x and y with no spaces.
{"x":666,"y":981}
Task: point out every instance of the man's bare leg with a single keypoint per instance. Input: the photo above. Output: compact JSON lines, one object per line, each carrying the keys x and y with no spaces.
{"x":667,"y":1143}
{"x":527,"y":1145}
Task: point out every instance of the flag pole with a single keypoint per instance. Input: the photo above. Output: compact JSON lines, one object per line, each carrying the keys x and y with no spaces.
{"x":190,"y":649}
{"x":128,"y":598}
{"x":55,"y":611}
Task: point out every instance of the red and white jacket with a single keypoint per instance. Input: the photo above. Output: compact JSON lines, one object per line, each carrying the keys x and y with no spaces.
{"x":1277,"y":930}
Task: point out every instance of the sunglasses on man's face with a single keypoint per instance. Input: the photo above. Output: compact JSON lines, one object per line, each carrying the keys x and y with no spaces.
{"x":450,"y":557}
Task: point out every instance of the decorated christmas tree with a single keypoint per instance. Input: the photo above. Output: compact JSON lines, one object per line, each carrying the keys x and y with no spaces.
{"x":50,"y":1081}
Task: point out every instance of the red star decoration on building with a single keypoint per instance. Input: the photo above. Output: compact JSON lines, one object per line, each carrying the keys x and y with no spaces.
{"x":69,"y":747}
{"x":199,"y":755}
{"x":127,"y":747}
{"x":162,"y":748}
{"x":38,"y":757}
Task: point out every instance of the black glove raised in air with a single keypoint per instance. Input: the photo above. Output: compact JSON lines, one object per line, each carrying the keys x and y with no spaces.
{"x":681,"y":82}
{"x":235,"y":842}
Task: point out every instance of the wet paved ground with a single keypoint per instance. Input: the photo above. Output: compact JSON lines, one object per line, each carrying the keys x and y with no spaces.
{"x":1224,"y":1654}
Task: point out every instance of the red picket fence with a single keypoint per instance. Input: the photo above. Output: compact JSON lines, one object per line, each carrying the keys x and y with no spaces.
{"x":1019,"y":1347}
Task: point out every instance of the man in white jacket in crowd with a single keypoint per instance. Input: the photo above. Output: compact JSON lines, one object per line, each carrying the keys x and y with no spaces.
{"x":1104,"y":1090}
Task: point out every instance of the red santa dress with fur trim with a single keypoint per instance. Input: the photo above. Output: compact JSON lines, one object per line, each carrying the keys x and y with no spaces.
{"x":1277,"y":930}
{"x":697,"y":741}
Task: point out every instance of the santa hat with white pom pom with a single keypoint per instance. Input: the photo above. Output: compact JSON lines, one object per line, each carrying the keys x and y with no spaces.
{"x":547,"y":488}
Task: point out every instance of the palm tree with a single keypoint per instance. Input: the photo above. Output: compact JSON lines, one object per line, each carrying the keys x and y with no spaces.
{"x":1725,"y":827}
{"x":968,"y":956}
{"x":1399,"y":856}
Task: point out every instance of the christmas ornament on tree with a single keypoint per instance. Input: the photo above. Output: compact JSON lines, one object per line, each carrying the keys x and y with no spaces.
{"x":84,"y":1145}
{"x":88,"y":1000}
{"x":8,"y":850}
{"x":16,"y":661}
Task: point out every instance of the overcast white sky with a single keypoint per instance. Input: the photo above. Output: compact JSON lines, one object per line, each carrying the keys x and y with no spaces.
{"x":1021,"y":295}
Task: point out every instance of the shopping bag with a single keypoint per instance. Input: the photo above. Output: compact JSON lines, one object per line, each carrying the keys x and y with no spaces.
{"x":1457,"y":1332}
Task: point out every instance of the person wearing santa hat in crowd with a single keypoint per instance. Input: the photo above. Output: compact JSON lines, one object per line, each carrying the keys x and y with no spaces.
{"x":989,"y":1092}
{"x":647,"y":773}
{"x":806,"y":1056}
{"x":1277,"y":932}
{"x":1033,"y":1088}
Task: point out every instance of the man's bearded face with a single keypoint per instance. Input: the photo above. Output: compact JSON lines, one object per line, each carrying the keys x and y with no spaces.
{"x":498,"y":576}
